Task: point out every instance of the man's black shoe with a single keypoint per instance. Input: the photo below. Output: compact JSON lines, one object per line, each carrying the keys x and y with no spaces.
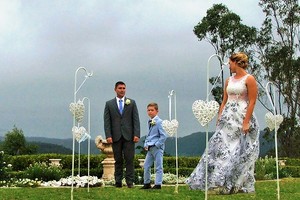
{"x":146,"y":186}
{"x":130,"y":185}
{"x":118,"y":185}
{"x":156,"y":187}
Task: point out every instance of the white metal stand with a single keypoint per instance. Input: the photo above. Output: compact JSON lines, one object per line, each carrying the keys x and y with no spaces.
{"x":276,"y":126}
{"x":76,"y":89}
{"x":205,"y":115}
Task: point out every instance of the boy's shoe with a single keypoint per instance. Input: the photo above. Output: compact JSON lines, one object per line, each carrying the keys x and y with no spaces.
{"x":146,"y":186}
{"x":156,"y":187}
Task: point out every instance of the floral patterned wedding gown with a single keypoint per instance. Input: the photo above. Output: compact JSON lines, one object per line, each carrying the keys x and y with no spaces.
{"x":231,"y":154}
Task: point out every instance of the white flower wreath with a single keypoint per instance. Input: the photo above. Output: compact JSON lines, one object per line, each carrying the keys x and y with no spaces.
{"x":170,"y":126}
{"x":77,"y":109}
{"x":272,"y":119}
{"x":205,"y":111}
{"x":80,"y":134}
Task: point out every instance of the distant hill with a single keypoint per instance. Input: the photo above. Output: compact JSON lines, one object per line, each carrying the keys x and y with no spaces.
{"x":194,"y":144}
{"x":68,"y":144}
{"x":50,"y":148}
{"x":191,"y":145}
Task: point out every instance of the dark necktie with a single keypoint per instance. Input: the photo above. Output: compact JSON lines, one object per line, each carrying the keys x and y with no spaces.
{"x":121,"y":106}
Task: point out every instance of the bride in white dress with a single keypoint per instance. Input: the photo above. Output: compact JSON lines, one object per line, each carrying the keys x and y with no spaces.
{"x":234,"y":147}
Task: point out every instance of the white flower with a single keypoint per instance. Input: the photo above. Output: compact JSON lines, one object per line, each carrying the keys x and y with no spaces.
{"x":127,"y":102}
{"x":77,"y":181}
{"x":152,"y":123}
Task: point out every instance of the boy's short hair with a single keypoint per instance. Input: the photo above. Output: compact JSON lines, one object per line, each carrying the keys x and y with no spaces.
{"x":153,"y":104}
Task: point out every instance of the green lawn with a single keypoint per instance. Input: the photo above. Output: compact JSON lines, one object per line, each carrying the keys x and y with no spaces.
{"x":290,"y":189}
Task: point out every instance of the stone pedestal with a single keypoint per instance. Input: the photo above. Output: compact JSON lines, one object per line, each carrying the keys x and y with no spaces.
{"x":55,"y":162}
{"x":141,"y":162}
{"x":109,"y":161}
{"x":108,"y":168}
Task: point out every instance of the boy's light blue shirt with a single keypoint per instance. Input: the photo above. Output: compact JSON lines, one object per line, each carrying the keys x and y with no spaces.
{"x":156,"y":135}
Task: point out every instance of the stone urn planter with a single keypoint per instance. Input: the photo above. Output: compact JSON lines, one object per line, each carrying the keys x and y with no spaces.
{"x":109,"y":161}
{"x":54,"y":162}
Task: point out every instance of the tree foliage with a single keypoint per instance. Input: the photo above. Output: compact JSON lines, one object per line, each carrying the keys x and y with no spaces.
{"x":15,"y":143}
{"x":224,"y":30}
{"x":278,"y":52}
{"x":274,"y":56}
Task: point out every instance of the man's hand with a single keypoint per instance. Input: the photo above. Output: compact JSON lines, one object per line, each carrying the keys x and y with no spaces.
{"x":109,"y":140}
{"x":136,"y":139}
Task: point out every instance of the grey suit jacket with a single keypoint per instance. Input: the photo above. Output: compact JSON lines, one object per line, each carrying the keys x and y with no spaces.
{"x":117,"y":125}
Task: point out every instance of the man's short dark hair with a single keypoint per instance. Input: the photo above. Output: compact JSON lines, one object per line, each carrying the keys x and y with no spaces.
{"x":119,"y":83}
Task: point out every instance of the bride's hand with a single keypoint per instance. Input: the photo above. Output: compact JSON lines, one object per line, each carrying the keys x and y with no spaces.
{"x":246,"y":128}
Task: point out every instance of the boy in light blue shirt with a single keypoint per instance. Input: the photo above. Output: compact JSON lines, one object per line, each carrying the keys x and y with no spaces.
{"x":154,"y":145}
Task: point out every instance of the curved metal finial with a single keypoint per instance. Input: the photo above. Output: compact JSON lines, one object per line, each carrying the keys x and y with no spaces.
{"x":87,"y":75}
{"x":208,"y":66}
{"x":171,"y":93}
{"x":269,"y":96}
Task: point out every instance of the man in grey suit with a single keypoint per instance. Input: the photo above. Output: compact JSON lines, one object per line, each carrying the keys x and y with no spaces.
{"x":122,"y":129}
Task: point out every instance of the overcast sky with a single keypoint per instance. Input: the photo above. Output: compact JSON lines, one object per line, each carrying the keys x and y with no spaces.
{"x":148,"y":44}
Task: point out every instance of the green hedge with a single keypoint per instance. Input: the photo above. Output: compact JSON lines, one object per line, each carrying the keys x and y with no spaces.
{"x":291,"y":161}
{"x":265,"y":168}
{"x":20,"y":163}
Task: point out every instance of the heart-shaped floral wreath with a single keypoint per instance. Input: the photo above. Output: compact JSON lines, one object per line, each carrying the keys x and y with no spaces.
{"x":170,"y":126}
{"x":272,"y":119}
{"x":205,"y":111}
{"x":80,"y":134}
{"x":77,"y":109}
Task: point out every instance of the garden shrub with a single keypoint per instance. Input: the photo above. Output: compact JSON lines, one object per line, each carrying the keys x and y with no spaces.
{"x":290,"y":171}
{"x":2,"y":166}
{"x":43,"y":172}
{"x":292,"y":161}
{"x":265,"y":168}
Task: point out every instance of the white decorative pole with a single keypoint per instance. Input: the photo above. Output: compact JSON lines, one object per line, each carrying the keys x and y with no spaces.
{"x":89,"y":137}
{"x":74,"y":120}
{"x":298,"y":32}
{"x":273,"y":121}
{"x":170,"y":126}
{"x":205,"y":111}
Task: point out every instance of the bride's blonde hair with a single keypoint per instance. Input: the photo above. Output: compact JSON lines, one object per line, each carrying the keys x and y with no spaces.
{"x":240,"y":58}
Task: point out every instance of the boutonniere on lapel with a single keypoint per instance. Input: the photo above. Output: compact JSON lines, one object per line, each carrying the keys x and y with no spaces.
{"x":127,"y":102}
{"x":152,"y":122}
